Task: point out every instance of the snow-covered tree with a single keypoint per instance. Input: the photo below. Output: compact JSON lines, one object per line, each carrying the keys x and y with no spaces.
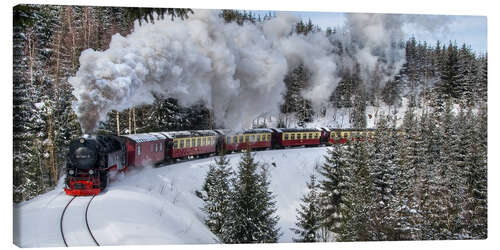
{"x":357,"y":214}
{"x":383,"y":166}
{"x":476,"y":218}
{"x":334,"y":187}
{"x":407,"y":186}
{"x":309,"y":215}
{"x":217,"y":195}
{"x":253,"y":218}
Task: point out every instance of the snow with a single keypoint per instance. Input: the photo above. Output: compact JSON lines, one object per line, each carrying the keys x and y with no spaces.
{"x":158,"y":205}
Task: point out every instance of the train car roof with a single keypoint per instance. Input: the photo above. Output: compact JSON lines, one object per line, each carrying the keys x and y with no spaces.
{"x":281,"y":130}
{"x":352,"y":129}
{"x":183,"y":134}
{"x":230,"y":132}
{"x":146,"y":137}
{"x":257,"y":130}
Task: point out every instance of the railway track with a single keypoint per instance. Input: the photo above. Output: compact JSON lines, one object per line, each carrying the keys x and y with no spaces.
{"x":75,"y":233}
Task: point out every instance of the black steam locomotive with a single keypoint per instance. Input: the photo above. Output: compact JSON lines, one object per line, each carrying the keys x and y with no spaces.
{"x":89,"y":161}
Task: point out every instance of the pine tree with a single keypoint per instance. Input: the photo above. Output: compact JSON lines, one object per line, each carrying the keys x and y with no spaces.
{"x":357,"y":213}
{"x":296,"y":80}
{"x":217,"y":195}
{"x":451,"y":177}
{"x":309,"y":215}
{"x":407,"y":187}
{"x":252,"y":219}
{"x":476,"y":218}
{"x":382,"y":166}
{"x":334,"y":187}
{"x":358,"y":115}
{"x":482,"y":79}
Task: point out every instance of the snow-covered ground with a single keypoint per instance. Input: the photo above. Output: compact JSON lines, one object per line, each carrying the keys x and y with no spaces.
{"x":158,"y":205}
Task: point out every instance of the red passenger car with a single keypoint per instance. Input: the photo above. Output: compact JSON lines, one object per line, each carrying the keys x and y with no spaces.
{"x":182,"y":144}
{"x":253,"y":138}
{"x":286,"y":137}
{"x":346,"y":135}
{"x":145,"y":149}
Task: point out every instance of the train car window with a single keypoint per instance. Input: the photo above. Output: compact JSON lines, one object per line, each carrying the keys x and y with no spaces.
{"x":240,"y":139}
{"x":235,"y":139}
{"x":156,"y":147}
{"x":188,"y":143}
{"x":204,"y":141}
{"x":176,"y":142}
{"x":252,"y":138}
{"x":161,"y":147}
{"x":310,"y":136}
{"x":181,"y":143}
{"x":258,"y":137}
{"x":286,"y":136}
{"x":199,"y":142}
{"x":292,"y":136}
{"x":247,"y":138}
{"x":138,"y":149}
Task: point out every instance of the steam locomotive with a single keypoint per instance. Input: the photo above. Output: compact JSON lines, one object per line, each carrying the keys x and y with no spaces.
{"x":91,"y":158}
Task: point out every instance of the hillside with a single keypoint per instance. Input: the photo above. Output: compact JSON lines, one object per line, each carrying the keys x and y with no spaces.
{"x":158,"y":205}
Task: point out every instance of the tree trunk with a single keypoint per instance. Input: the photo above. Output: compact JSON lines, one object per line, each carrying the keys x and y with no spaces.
{"x":130,"y":121}
{"x":133,"y":118}
{"x":52,"y":159}
{"x":117,"y":123}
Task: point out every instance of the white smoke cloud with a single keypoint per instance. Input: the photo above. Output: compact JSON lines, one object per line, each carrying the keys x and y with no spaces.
{"x":237,"y":71}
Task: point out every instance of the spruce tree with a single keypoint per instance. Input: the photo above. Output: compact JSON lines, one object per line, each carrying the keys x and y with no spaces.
{"x":334,"y":187}
{"x":382,"y":166}
{"x":252,"y":218}
{"x":309,"y":215}
{"x":357,"y":213}
{"x":476,"y":218}
{"x":407,"y":187}
{"x":217,"y":195}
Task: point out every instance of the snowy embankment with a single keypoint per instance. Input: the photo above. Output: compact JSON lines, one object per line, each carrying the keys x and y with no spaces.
{"x":159,"y":205}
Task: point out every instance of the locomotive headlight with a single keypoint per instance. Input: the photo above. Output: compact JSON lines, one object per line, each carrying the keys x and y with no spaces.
{"x":82,"y":140}
{"x":71,"y":172}
{"x":91,"y":171}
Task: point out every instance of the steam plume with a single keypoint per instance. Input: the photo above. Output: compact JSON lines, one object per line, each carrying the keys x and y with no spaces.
{"x":237,"y":71}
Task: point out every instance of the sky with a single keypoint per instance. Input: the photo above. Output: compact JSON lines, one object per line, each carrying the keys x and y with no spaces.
{"x":471,"y":30}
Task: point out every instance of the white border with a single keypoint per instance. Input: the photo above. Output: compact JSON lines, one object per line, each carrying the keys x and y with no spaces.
{"x":456,"y":7}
